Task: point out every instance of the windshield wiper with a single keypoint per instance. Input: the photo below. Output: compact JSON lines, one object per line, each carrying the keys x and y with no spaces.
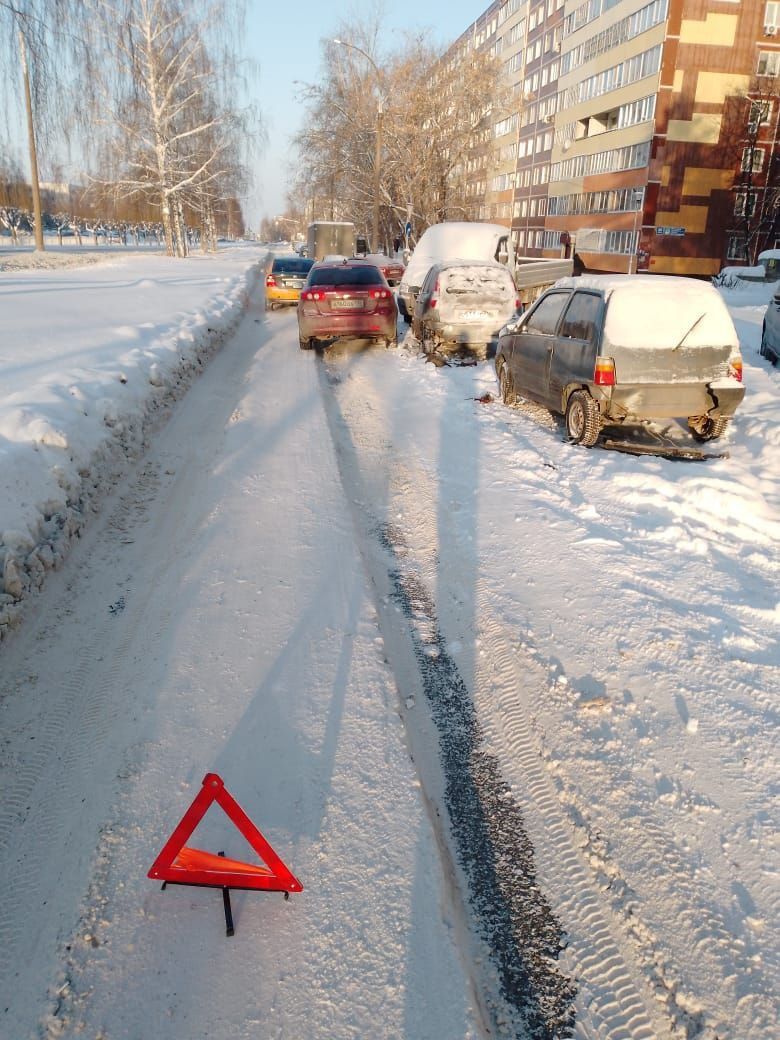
{"x":690,"y":330}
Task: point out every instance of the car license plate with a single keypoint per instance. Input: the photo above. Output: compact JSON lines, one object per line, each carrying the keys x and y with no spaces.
{"x":347,"y":305}
{"x":475,"y":315}
{"x":293,"y":283}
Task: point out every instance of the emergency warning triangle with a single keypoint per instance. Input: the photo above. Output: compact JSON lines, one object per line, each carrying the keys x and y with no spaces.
{"x":178,"y":864}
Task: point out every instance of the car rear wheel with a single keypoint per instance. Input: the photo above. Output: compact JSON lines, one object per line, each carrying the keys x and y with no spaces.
{"x":705,"y":428}
{"x":304,"y":343}
{"x":583,"y":423}
{"x":505,"y":386}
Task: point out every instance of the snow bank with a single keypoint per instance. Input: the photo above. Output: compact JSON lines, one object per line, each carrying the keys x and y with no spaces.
{"x":91,"y":357}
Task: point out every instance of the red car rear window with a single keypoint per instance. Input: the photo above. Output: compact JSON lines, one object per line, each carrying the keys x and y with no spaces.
{"x":346,"y":275}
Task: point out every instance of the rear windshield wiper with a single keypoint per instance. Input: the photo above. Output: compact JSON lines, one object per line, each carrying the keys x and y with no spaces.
{"x":690,"y":330}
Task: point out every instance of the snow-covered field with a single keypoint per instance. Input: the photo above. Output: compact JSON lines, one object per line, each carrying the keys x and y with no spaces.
{"x":493,"y":696}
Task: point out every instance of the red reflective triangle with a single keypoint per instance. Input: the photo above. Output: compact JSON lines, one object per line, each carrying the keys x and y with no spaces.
{"x":185,"y":866}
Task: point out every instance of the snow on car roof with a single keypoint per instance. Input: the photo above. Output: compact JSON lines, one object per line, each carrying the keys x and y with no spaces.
{"x":660,"y":310}
{"x":461,"y":239}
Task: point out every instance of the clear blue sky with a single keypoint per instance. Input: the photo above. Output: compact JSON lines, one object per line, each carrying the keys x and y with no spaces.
{"x":284,"y":39}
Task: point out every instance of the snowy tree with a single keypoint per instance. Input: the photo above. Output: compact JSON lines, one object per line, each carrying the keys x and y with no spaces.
{"x":749,"y":134}
{"x":164,"y":103}
{"x":433,"y":110}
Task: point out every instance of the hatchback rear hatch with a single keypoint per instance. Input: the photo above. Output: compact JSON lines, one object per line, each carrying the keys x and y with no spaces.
{"x":662,"y":333}
{"x":476,"y":293}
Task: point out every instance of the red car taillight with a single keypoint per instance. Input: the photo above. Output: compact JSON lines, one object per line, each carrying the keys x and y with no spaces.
{"x":379,"y":294}
{"x":735,"y":368}
{"x":270,"y":281}
{"x":435,"y":295}
{"x":604,"y":372}
{"x":311,"y":294}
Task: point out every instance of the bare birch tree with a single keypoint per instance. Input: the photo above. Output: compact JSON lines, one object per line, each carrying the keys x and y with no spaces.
{"x":163,"y":102}
{"x":749,"y":139}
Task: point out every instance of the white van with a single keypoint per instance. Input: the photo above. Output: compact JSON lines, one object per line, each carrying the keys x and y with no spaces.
{"x":452,"y":240}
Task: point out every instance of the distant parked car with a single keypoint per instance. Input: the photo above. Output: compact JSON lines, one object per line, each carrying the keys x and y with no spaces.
{"x":462,"y":306}
{"x":346,"y":298}
{"x":392,"y":269}
{"x":284,"y":280}
{"x":770,"y":333}
{"x":612,"y":349}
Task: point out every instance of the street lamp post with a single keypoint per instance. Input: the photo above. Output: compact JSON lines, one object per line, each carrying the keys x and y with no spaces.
{"x":378,"y":135}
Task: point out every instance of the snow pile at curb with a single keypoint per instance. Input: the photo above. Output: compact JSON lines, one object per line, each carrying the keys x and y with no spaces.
{"x":69,"y":433}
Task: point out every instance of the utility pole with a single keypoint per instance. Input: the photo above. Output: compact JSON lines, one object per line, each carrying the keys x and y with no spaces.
{"x":380,"y":111}
{"x":377,"y":165}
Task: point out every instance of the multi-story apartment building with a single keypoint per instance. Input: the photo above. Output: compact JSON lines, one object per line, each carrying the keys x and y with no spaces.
{"x":643,"y":135}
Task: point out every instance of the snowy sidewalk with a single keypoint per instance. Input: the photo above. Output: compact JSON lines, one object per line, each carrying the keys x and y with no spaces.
{"x":90,"y":354}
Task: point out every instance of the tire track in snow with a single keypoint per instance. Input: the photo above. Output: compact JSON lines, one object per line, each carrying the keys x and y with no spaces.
{"x":617,"y":1010}
{"x":515,"y":938}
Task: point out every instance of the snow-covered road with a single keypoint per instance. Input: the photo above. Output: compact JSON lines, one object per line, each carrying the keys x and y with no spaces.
{"x":217,"y":618}
{"x":491,"y":697}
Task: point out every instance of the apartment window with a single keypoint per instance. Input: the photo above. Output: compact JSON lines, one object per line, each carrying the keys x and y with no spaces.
{"x":744,"y":204}
{"x":752,"y":160}
{"x":772,"y":15}
{"x":736,"y":248}
{"x":768,"y":63}
{"x":623,"y":242}
{"x":759,"y":113}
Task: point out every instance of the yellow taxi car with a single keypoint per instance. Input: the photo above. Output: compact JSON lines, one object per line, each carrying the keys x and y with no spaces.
{"x":284,"y":280}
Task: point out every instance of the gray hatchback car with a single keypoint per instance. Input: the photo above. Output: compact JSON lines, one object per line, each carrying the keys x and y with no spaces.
{"x":462,"y":306}
{"x":623,"y":349}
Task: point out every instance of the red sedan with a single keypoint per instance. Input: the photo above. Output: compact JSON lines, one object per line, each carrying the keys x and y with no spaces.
{"x":392,"y":269}
{"x":347,"y":298}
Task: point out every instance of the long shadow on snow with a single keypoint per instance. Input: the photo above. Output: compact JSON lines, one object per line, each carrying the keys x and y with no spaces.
{"x":492,"y":849}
